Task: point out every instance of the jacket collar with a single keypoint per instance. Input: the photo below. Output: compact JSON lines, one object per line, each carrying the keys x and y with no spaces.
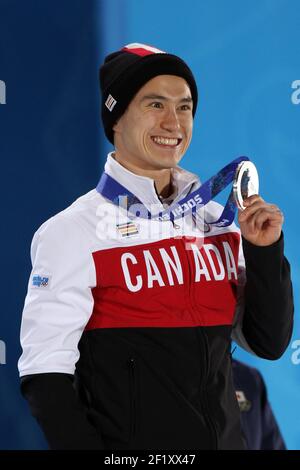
{"x":143,"y":187}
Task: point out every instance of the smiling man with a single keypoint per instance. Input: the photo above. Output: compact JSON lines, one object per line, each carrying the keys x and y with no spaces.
{"x":126,"y":345}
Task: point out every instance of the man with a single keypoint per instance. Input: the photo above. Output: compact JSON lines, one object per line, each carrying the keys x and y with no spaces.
{"x":127,"y":322}
{"x":259,"y":424}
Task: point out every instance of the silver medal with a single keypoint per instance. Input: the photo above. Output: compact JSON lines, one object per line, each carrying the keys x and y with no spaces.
{"x":245,"y":183}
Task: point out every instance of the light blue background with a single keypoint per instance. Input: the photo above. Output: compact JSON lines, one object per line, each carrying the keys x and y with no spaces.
{"x":245,"y":55}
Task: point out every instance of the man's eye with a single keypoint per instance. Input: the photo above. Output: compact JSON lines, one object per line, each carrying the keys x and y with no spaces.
{"x":156,"y":104}
{"x":185,"y":107}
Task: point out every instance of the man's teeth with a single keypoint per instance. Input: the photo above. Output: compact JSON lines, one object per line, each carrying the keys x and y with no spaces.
{"x":164,"y":141}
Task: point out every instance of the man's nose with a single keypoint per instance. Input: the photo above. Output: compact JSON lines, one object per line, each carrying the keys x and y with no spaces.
{"x":170,"y":120}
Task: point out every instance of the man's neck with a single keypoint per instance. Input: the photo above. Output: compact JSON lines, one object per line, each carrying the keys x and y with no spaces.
{"x":162,"y":178}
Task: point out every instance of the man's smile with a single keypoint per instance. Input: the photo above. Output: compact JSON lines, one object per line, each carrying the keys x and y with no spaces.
{"x":166,"y":141}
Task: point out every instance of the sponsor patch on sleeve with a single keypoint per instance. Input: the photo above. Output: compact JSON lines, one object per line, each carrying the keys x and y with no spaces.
{"x":41,"y":281}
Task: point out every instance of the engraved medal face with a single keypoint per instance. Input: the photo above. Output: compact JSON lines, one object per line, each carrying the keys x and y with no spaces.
{"x":245,"y":183}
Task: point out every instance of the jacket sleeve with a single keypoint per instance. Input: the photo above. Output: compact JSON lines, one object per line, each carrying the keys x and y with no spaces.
{"x":266,"y":320}
{"x":60,"y":414}
{"x":57,"y":307}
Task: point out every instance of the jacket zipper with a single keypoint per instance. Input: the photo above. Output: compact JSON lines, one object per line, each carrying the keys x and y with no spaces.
{"x":206,"y":366}
{"x":132,"y":375}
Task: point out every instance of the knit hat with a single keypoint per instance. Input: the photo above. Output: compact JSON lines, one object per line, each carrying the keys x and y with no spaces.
{"x":124,"y":72}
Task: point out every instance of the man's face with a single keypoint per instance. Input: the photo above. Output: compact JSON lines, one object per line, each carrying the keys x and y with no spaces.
{"x":156,"y":129}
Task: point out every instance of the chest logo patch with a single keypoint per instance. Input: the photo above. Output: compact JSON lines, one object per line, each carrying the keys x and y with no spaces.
{"x":127,"y":229}
{"x":244,"y":404}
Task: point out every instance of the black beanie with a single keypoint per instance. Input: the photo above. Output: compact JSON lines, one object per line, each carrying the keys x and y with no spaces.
{"x":124,"y":72}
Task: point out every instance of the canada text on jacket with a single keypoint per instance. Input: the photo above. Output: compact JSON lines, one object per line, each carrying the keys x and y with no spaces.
{"x":211,"y":263}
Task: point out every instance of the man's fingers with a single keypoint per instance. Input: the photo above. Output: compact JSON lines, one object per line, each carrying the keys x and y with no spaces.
{"x":254,"y":207}
{"x":271,"y":215}
{"x":251,"y":199}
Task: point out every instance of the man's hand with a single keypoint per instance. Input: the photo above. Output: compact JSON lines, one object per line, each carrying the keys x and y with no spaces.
{"x":260,"y":222}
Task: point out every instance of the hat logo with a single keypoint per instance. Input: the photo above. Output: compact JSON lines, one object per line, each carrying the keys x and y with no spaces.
{"x":142,"y":49}
{"x":110,"y":103}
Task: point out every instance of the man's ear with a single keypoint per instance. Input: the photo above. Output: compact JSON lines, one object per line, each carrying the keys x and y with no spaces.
{"x":117,"y":126}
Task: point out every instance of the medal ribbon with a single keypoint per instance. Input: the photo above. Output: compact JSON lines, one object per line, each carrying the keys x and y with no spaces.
{"x":109,"y":188}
